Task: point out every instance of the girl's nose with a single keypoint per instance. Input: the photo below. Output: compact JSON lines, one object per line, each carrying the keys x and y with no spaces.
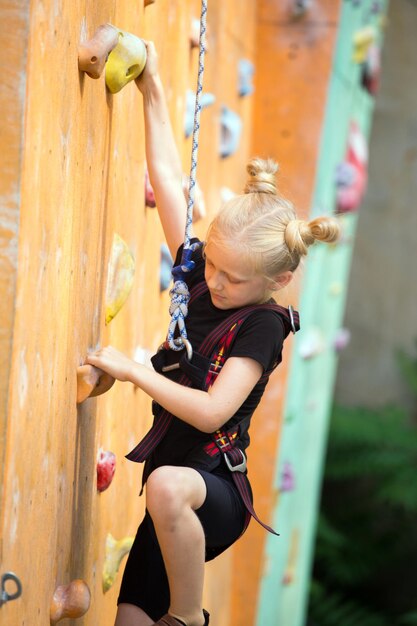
{"x":215,"y":282}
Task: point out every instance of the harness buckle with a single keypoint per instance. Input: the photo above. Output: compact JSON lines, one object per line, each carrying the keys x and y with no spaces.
{"x":291,"y":313}
{"x":241,"y":467}
{"x":178,"y":341}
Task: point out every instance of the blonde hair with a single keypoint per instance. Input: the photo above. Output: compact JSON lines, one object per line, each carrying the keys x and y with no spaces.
{"x":264,"y":225}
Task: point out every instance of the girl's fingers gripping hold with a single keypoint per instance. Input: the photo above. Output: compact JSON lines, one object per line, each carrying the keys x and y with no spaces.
{"x":113,"y":362}
{"x":151,"y":67}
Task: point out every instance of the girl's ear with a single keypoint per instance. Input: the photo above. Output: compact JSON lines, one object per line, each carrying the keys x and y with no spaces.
{"x":282,"y":280}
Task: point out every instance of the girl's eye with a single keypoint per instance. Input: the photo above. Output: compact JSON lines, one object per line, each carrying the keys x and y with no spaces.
{"x":234,"y":281}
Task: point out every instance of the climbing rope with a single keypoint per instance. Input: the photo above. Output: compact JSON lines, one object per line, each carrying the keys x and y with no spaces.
{"x":179,"y":293}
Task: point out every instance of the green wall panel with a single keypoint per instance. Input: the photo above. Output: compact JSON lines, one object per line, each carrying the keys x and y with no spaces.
{"x":288,"y":559}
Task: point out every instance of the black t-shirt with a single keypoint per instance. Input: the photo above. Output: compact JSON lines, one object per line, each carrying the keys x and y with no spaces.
{"x":260,"y":337}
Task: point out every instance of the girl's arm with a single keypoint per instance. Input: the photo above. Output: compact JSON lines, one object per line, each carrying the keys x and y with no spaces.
{"x":163,"y":160}
{"x":205,"y":410}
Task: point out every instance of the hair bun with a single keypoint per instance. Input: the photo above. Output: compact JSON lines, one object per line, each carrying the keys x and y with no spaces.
{"x":262,"y":176}
{"x":300,"y":234}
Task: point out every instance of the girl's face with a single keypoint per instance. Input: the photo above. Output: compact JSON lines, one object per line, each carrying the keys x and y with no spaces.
{"x":231,"y":280}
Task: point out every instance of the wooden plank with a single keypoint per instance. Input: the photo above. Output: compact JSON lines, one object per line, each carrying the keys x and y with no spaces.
{"x":14,"y":33}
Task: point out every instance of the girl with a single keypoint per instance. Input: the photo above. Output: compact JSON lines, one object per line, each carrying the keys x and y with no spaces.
{"x":195,"y":507}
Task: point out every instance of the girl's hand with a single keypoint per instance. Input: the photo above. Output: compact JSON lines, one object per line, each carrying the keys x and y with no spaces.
{"x":150,"y":71}
{"x":113,"y":362}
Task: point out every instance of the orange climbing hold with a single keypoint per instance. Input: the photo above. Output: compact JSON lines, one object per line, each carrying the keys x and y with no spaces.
{"x":92,"y":381}
{"x":92,"y":55}
{"x":71,"y":601}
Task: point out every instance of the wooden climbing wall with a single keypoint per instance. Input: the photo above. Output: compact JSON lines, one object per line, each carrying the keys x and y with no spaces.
{"x":75,"y":159}
{"x":74,"y":176}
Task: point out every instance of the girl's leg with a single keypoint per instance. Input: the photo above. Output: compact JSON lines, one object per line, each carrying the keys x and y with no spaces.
{"x":172,"y":496}
{"x":131,"y":615}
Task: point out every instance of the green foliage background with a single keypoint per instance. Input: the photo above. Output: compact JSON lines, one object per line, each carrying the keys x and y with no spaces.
{"x":365,"y":568}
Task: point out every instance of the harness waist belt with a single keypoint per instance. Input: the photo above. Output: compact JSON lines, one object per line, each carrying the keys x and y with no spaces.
{"x":222,"y":441}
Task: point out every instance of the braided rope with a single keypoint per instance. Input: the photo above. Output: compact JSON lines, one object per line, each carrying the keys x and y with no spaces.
{"x":179,"y":293}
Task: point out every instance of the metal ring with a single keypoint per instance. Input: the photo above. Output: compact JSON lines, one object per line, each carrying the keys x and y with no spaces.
{"x":291,"y":313}
{"x":178,"y":341}
{"x":4,"y":595}
{"x":187,"y":345}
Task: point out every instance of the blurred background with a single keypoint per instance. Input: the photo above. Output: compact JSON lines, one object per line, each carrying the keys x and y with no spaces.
{"x":365,"y":550}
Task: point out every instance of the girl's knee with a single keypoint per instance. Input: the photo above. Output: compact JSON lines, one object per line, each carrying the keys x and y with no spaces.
{"x":164,"y":492}
{"x":171,"y":489}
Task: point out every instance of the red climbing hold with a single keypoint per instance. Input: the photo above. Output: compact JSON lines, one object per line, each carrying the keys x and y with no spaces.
{"x":149,"y":192}
{"x":352,"y":173}
{"x":372,"y":70}
{"x":106,"y":466}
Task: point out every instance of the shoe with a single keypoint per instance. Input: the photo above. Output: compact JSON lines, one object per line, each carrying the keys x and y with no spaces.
{"x":169,"y":620}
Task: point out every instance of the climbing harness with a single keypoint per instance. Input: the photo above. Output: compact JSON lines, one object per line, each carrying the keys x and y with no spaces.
{"x":209,"y":360}
{"x":179,"y":293}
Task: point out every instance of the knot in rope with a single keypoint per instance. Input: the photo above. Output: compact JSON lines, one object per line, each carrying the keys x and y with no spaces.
{"x":186,"y":264}
{"x":179,"y":298}
{"x":178,"y":310}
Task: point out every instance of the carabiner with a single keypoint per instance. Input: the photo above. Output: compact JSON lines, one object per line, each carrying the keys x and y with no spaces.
{"x":188,"y":347}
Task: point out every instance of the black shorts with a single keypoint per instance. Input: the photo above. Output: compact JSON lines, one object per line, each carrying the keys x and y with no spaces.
{"x":223,"y":517}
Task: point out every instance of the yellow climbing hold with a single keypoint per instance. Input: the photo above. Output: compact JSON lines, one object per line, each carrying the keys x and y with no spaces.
{"x":115,"y":551}
{"x":290,"y":569}
{"x":362,"y":41}
{"x":125,"y":62}
{"x":120,"y":275}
